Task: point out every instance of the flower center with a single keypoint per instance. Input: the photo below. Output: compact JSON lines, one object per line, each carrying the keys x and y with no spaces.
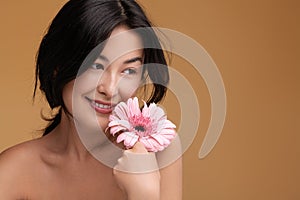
{"x":140,"y":128}
{"x":141,"y":125}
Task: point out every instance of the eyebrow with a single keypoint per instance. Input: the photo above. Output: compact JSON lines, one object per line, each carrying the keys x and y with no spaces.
{"x":131,"y":60}
{"x":103,"y":58}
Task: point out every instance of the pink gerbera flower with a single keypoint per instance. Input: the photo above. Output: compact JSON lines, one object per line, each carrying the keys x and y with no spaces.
{"x":149,"y":126}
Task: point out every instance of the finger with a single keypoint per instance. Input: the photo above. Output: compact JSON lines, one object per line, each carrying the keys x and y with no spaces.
{"x":138,"y":148}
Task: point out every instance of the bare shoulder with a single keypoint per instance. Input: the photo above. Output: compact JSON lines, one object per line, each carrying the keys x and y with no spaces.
{"x":17,"y":164}
{"x":22,"y":153}
{"x":21,"y":146}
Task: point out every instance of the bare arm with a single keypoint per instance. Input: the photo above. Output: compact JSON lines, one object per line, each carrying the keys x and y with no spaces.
{"x":170,"y":162}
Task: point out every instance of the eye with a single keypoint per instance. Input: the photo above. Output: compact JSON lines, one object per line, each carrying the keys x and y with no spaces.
{"x":97,"y":66}
{"x":130,"y":71}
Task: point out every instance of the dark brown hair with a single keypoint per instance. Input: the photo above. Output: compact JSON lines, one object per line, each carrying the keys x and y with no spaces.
{"x":76,"y":30}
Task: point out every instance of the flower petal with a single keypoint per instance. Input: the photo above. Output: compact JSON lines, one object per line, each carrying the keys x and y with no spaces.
{"x":146,"y":110}
{"x":160,"y":139}
{"x":113,"y":123}
{"x":124,"y":123}
{"x":130,"y":139}
{"x":121,"y":137}
{"x":134,"y":139}
{"x":155,"y":144}
{"x":133,"y":107}
{"x":168,"y":132}
{"x":116,"y":129}
{"x":156,"y":112}
{"x":158,"y":130}
{"x":121,"y":110}
{"x":148,"y":145}
{"x":165,"y":124}
{"x":113,"y":117}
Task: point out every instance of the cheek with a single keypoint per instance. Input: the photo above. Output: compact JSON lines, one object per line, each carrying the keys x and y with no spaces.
{"x":87,"y":81}
{"x":128,"y":87}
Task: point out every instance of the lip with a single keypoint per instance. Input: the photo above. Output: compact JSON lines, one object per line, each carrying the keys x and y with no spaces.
{"x":101,"y":106}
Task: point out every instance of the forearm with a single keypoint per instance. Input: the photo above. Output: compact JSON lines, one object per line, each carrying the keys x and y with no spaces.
{"x":151,"y":194}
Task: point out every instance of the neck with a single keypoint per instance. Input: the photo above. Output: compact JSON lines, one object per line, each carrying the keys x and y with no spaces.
{"x":65,"y":140}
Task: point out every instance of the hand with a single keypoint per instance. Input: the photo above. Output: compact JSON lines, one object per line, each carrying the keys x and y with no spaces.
{"x":137,"y":174}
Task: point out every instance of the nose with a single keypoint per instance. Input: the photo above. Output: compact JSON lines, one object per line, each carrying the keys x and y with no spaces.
{"x":108,"y":84}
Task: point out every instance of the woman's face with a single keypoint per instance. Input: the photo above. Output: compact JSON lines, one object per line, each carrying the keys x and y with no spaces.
{"x":113,"y":77}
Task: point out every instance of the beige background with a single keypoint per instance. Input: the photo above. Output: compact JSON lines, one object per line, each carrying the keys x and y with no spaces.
{"x":256,"y":46}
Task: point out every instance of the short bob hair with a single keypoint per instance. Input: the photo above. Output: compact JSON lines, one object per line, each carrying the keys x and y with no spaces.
{"x":76,"y":30}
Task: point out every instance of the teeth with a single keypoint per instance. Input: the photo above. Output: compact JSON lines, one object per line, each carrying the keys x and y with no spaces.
{"x":101,"y":105}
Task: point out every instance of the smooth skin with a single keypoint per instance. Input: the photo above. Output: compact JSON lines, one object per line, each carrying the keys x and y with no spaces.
{"x":58,"y":166}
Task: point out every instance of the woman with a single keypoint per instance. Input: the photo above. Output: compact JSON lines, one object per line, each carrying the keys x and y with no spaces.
{"x":84,"y":87}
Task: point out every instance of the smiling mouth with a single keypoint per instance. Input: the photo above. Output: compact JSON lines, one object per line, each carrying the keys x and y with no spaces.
{"x":101,"y":107}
